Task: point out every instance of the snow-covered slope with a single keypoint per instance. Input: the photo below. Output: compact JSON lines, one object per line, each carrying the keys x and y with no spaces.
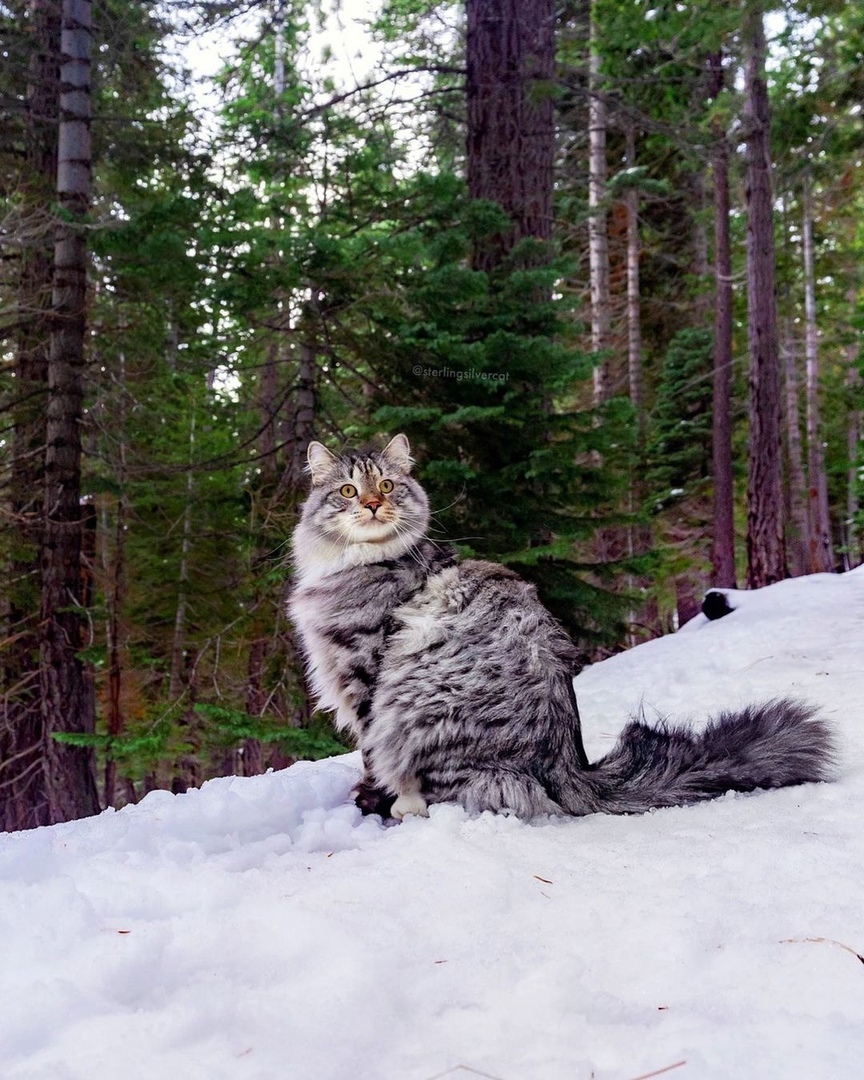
{"x":260,"y":928}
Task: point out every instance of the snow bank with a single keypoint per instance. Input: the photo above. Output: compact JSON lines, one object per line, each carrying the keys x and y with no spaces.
{"x":261,"y":928}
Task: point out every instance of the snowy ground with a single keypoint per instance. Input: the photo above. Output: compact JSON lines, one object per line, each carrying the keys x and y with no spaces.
{"x":260,"y":928}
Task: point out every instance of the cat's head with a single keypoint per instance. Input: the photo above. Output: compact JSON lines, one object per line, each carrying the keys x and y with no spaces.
{"x":363,"y":506}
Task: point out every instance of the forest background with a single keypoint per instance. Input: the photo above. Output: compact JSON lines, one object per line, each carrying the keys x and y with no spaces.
{"x":599,"y":260}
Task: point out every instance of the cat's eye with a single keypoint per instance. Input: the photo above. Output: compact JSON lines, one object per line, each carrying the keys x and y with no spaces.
{"x":385,"y":486}
{"x":347,"y":491}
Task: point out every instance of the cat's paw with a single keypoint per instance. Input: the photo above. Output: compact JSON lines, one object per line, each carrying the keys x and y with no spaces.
{"x":409,"y":804}
{"x":373,"y":800}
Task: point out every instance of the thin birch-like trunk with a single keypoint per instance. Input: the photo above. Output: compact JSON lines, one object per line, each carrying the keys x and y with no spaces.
{"x":854,"y":550}
{"x":116,"y":577}
{"x":797,"y":482}
{"x":598,"y":233}
{"x":821,"y":556}
{"x":634,"y":316}
{"x":723,"y":541}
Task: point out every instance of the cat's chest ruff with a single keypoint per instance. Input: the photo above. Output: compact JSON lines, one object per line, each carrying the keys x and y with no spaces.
{"x":425,"y":619}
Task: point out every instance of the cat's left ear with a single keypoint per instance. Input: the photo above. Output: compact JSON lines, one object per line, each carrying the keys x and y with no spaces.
{"x":397,"y":454}
{"x":320,"y":461}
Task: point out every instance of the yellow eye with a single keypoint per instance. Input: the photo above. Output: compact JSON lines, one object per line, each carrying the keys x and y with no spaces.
{"x":385,"y":486}
{"x":347,"y":491}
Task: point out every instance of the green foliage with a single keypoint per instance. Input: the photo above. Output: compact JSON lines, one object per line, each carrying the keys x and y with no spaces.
{"x":679,"y":451}
{"x":232,"y":727}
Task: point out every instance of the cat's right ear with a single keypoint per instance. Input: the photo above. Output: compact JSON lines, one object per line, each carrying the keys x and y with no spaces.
{"x":319,"y":461}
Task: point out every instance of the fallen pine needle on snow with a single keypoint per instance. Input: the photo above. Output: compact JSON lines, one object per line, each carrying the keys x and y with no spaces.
{"x":822,"y":941}
{"x":464,"y":1068}
{"x":659,"y":1072}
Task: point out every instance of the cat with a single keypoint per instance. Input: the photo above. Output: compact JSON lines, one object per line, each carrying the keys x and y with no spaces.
{"x":457,"y":684}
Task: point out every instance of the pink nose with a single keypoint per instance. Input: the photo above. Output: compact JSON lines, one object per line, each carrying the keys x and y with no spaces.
{"x":372,"y":503}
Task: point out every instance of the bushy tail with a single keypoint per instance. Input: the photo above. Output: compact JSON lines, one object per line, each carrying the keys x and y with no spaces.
{"x":774,"y":744}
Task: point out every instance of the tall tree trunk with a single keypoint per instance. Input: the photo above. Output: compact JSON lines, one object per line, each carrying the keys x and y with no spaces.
{"x":723,"y":542}
{"x":511,"y":139}
{"x":66,"y":688}
{"x":766,"y":550}
{"x":178,"y":641}
{"x":598,"y":233}
{"x":797,"y":484}
{"x":821,"y":556}
{"x":23,"y":802}
{"x":854,"y":448}
{"x":634,"y":316}
{"x":855,"y":451}
{"x":115,"y":576}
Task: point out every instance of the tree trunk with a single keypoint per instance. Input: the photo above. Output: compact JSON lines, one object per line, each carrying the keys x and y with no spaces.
{"x":854,"y":449}
{"x":634,"y":318}
{"x":66,"y":688}
{"x":23,"y":803}
{"x":115,"y":575}
{"x":511,"y":138}
{"x":766,"y":551}
{"x":598,"y":234}
{"x":854,"y":445}
{"x":723,"y":544}
{"x":178,"y":641}
{"x":821,"y":556}
{"x":797,"y":484}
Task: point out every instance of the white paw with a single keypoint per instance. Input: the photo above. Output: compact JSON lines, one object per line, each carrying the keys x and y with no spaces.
{"x":409,"y":804}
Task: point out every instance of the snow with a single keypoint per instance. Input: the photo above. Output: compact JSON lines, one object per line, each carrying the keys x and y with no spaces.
{"x":261,"y":928}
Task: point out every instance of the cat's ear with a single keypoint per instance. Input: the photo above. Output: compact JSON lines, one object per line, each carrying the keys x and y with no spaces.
{"x":320,"y":461}
{"x":397,"y":454}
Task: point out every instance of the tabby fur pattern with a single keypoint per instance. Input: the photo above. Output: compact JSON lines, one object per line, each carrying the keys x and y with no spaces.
{"x":457,"y":684}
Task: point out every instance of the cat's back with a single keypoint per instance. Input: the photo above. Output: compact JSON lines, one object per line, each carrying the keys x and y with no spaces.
{"x":485,"y":609}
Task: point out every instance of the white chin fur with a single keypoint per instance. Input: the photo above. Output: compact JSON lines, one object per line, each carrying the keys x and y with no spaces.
{"x":316,"y":557}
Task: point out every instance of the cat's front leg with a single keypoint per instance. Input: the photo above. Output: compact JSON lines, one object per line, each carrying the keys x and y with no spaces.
{"x":370,"y":797}
{"x":409,"y":801}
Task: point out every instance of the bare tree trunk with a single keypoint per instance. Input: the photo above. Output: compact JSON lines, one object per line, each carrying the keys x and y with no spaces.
{"x":67,"y":692}
{"x":598,"y":233}
{"x":511,"y":137}
{"x":116,"y":578}
{"x":178,"y":643}
{"x":821,"y":556}
{"x":855,"y":451}
{"x":766,"y":550}
{"x":723,"y":544}
{"x":797,"y":484}
{"x":855,"y":445}
{"x":23,"y":803}
{"x":634,"y":317}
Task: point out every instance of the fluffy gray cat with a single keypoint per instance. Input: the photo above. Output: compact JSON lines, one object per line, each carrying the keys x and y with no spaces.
{"x":456,"y":683}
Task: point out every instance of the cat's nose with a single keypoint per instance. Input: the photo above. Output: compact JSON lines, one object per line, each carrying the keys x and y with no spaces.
{"x":373,"y":504}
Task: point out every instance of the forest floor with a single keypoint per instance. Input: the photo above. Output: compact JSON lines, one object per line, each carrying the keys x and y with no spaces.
{"x":260,"y":928}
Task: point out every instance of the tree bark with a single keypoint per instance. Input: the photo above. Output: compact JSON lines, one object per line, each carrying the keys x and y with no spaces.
{"x":854,"y":550}
{"x":797,"y":484}
{"x":634,"y":318}
{"x":821,"y":556}
{"x":115,"y":574}
{"x":598,"y":234}
{"x":511,"y":139}
{"x":766,"y":551}
{"x":723,"y":542}
{"x":66,"y":688}
{"x":22,"y":777}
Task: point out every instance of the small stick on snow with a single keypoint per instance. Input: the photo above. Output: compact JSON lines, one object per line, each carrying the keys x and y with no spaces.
{"x":659,"y":1072}
{"x":822,"y":941}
